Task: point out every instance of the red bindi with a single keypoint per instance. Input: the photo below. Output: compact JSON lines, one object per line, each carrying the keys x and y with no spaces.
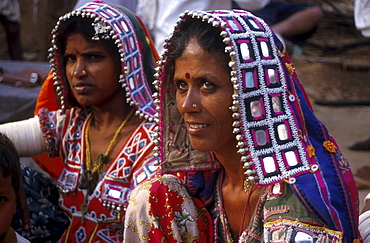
{"x":187,"y":75}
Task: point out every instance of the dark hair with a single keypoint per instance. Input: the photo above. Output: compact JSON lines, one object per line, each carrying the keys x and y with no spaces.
{"x":9,"y":162}
{"x":83,"y":26}
{"x":207,"y":36}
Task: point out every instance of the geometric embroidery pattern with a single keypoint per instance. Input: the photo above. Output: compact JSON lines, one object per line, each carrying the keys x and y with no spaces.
{"x":269,"y":127}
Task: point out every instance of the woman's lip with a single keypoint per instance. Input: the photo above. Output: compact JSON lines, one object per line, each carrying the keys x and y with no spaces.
{"x":195,"y":127}
{"x":82,"y":87}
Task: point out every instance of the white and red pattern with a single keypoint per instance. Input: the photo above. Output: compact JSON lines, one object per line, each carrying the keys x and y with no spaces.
{"x":106,"y":206}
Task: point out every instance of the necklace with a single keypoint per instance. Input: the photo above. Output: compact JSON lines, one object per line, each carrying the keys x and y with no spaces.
{"x":235,"y":235}
{"x":229,"y":234}
{"x":90,"y":176}
{"x":249,"y":192}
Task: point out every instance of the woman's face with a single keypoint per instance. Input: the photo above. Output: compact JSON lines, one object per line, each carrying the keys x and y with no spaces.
{"x":92,"y":70}
{"x":203,"y":96}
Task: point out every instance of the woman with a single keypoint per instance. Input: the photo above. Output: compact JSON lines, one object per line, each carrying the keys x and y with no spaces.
{"x":100,"y":60}
{"x":243,"y":156}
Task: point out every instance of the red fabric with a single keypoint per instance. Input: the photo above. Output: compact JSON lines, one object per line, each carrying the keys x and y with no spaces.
{"x":166,"y":214}
{"x":102,"y":223}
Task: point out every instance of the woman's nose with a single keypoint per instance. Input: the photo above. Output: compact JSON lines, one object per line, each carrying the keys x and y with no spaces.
{"x":80,"y":70}
{"x":191,"y":102}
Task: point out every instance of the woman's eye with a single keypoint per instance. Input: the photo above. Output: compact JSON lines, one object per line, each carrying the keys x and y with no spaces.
{"x":70,"y":58}
{"x":207,"y":85}
{"x":181,"y":85}
{"x":2,"y":200}
{"x":96,"y":57}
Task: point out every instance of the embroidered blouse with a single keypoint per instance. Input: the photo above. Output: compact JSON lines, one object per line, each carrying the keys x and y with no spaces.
{"x":104,"y":218}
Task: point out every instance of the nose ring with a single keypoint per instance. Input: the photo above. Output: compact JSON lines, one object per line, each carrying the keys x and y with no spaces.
{"x":74,"y":73}
{"x":194,"y":105}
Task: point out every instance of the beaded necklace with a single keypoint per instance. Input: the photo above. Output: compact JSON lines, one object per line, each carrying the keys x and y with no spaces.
{"x":90,"y":177}
{"x":227,"y":234}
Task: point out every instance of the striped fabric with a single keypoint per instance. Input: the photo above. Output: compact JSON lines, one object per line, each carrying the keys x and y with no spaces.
{"x":364,"y":226}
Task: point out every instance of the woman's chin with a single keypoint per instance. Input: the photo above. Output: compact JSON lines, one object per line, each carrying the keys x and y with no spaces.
{"x":83,"y":101}
{"x":200,"y":145}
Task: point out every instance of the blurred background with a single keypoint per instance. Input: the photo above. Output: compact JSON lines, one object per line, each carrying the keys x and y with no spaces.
{"x":38,"y":19}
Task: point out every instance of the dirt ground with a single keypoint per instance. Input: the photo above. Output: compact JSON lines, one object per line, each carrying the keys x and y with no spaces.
{"x":334,"y":67}
{"x":335,"y":62}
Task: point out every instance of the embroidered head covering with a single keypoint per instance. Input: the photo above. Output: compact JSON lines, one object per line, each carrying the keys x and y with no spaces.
{"x":120,"y":26}
{"x":279,"y":137}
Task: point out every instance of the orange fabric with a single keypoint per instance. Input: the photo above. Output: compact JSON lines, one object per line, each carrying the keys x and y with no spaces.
{"x":47,"y":99}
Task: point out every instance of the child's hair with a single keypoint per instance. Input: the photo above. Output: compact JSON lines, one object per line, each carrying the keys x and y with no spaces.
{"x":9,"y":162}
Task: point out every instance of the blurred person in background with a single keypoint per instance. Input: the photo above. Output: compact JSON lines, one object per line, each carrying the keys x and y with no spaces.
{"x":294,"y":21}
{"x":10,"y":18}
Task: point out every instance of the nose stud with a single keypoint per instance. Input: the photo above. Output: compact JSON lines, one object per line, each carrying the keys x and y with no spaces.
{"x":194,"y":105}
{"x":74,"y":73}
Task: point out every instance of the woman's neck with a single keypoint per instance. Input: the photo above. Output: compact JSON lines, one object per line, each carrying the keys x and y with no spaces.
{"x":234,"y":172}
{"x":106,"y":118}
{"x":112,"y":111}
{"x":238,"y":202}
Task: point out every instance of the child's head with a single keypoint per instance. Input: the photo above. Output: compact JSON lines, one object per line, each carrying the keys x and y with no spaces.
{"x":9,"y":181}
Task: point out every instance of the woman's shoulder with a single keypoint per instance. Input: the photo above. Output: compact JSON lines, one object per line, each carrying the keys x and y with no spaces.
{"x":144,"y":130}
{"x":159,"y":186}
{"x":72,"y":113}
{"x":147,"y":126}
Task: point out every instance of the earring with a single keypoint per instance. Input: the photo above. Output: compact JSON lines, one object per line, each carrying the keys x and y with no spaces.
{"x":194,"y":105}
{"x":84,"y":72}
{"x":73,"y":73}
